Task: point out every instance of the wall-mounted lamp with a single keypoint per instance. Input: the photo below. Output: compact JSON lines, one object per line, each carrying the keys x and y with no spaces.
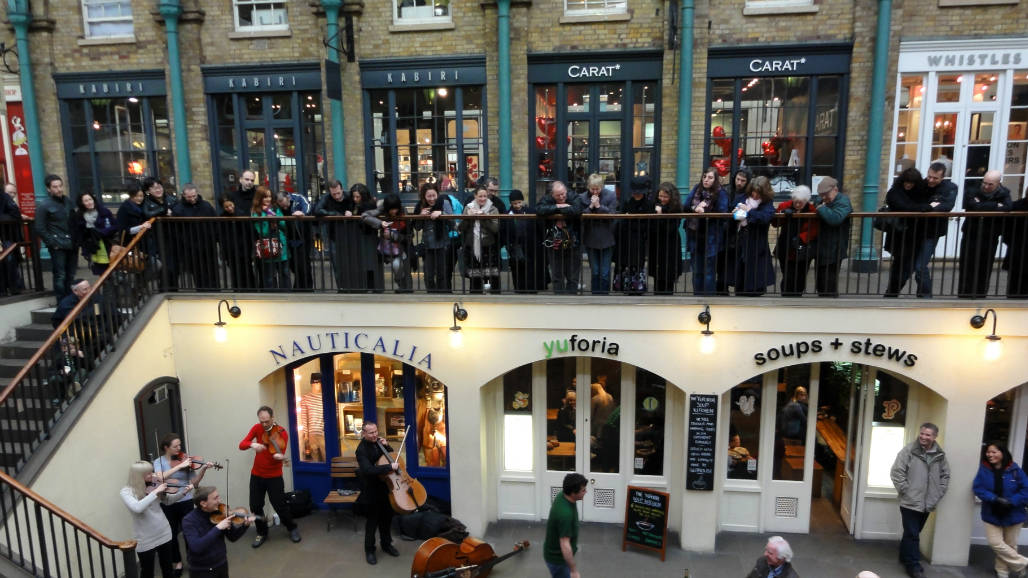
{"x":707,"y":343}
{"x":456,"y":335}
{"x":993,"y":342}
{"x":220,"y":333}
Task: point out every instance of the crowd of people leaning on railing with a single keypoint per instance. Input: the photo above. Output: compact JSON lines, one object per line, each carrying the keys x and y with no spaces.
{"x":632,"y":244}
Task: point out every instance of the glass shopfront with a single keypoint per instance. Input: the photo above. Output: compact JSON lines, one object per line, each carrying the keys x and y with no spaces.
{"x":781,"y":111}
{"x":600,"y":115}
{"x":969,"y":113}
{"x":115,"y":131}
{"x":266,"y":119}
{"x":424,"y":121}
{"x":333,"y":395}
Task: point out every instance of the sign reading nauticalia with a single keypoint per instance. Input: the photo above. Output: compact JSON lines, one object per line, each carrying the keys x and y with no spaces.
{"x":350,"y":340}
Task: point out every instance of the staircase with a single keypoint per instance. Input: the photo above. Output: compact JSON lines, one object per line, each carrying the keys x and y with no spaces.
{"x":23,"y":421}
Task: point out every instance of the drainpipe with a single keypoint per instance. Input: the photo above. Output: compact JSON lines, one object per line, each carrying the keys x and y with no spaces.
{"x":865,"y":258}
{"x":171,"y":10}
{"x":20,"y":15}
{"x":685,"y":96}
{"x":503,"y":55}
{"x":335,"y":107}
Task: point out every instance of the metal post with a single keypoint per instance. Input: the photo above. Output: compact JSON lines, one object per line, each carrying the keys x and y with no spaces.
{"x":19,"y":14}
{"x":685,"y":97}
{"x":864,"y":260}
{"x":171,"y":10}
{"x":335,"y":107}
{"x":503,"y":56}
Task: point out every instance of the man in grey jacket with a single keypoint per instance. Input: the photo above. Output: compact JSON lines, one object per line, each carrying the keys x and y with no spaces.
{"x":921,"y":476}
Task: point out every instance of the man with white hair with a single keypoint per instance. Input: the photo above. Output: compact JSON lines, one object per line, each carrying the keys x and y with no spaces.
{"x":980,"y":235}
{"x":776,"y":561}
{"x":868,"y":574}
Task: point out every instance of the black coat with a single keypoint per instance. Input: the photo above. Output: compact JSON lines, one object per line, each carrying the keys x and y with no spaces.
{"x":104,"y":231}
{"x":633,"y":234}
{"x":373,"y":489}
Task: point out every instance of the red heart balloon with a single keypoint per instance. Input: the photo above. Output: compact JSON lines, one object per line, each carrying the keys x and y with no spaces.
{"x":719,"y":131}
{"x":722,"y":166}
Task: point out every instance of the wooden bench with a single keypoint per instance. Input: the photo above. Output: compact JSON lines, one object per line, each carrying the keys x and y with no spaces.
{"x":344,"y":468}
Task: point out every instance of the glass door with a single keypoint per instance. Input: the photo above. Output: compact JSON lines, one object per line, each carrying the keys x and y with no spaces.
{"x":788,"y":493}
{"x":595,"y":121}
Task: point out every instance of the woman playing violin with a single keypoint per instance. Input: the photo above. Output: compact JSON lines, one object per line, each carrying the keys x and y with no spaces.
{"x":205,"y":538}
{"x":150,"y":528}
{"x":176,"y":468}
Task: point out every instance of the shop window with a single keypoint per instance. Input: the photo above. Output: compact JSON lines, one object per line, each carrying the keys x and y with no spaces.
{"x":430,"y":412}
{"x":389,"y":398}
{"x":1015,"y":159}
{"x":644,"y":126}
{"x":744,"y":429}
{"x":791,"y":423}
{"x":545,"y":136}
{"x":107,"y":18}
{"x":888,"y":428}
{"x":349,"y":409}
{"x":561,"y":406}
{"x":604,"y":415}
{"x":650,"y":413}
{"x":598,"y":7}
{"x":944,"y":134}
{"x":308,"y":404}
{"x":115,"y":141}
{"x":517,"y":420}
{"x":260,"y":15}
{"x":999,"y":417}
{"x":909,"y":103}
{"x":421,"y":11}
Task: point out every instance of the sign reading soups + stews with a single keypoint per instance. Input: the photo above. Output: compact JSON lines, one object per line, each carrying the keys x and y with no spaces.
{"x":645,"y":520}
{"x":702,"y":433}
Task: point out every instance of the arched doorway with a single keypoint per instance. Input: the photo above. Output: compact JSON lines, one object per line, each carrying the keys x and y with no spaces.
{"x":608,"y":420}
{"x":332,"y":395}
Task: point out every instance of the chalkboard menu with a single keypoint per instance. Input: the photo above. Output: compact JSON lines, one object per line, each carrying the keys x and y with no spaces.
{"x":646,"y":520}
{"x":702,"y":431}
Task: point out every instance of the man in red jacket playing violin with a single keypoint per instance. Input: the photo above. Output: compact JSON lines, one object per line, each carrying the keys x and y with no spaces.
{"x":375,"y":494}
{"x":269,"y":441}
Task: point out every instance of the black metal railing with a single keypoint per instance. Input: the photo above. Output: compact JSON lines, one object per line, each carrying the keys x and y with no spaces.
{"x":974,"y":255}
{"x":46,"y":541}
{"x":20,"y":264}
{"x":62,"y":368}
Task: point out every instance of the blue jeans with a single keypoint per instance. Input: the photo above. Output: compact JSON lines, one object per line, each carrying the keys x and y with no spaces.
{"x":599,"y":263}
{"x":704,"y":268}
{"x":910,"y":545}
{"x":64,"y":261}
{"x":922,"y":272}
{"x":559,"y":570}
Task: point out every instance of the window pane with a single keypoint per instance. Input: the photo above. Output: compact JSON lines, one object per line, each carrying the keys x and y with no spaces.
{"x":943,"y":136}
{"x":744,"y":429}
{"x":389,"y":398}
{"x":949,"y":88}
{"x":791,"y":423}
{"x":650,"y":412}
{"x":349,"y":410}
{"x":999,"y":415}
{"x":517,"y":420}
{"x":560,"y":414}
{"x":578,"y":97}
{"x":545,"y":140}
{"x":887,"y":428}
{"x":644,"y":125}
{"x":985,"y":86}
{"x":431,"y":420}
{"x":611,"y":97}
{"x":605,"y":415}
{"x":309,"y":408}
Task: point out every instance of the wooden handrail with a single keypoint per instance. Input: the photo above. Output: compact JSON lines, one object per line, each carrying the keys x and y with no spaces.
{"x":51,"y":507}
{"x":56,"y":335}
{"x":12,"y":248}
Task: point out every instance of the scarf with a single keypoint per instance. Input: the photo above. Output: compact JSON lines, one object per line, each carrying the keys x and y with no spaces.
{"x":476,"y":231}
{"x":697,"y":198}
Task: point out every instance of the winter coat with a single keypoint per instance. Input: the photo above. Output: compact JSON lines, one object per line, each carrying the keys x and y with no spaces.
{"x":104,"y":230}
{"x":714,"y":228}
{"x":270,"y":229}
{"x":797,"y":238}
{"x":547,"y":207}
{"x":490,"y":227}
{"x":53,"y":222}
{"x":598,"y":233}
{"x":946,"y":195}
{"x":633,"y":234}
{"x":921,"y":478}
{"x":435,"y":232}
{"x":153,"y":207}
{"x":762,"y":568}
{"x":1015,"y":489}
{"x":755,"y":270}
{"x":833,"y":238}
{"x":664,"y":247}
{"x":985,"y":229}
{"x":193,"y":236}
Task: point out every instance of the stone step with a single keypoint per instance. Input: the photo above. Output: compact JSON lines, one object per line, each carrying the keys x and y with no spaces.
{"x":42,"y":316}
{"x":10,"y":367}
{"x":18,"y":349}
{"x":33,"y":332}
{"x":20,"y":430}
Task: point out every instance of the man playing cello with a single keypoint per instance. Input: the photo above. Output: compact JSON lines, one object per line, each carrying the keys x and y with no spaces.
{"x":269,"y":441}
{"x":375,"y":495}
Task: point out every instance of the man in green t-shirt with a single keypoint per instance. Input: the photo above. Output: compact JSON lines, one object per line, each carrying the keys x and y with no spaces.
{"x":561,"y":542}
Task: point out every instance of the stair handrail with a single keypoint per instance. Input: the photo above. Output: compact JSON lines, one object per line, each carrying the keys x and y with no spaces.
{"x":60,"y":329}
{"x":10,"y":249}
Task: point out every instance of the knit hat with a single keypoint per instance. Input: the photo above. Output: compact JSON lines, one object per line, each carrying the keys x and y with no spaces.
{"x":826,"y":185}
{"x":517,"y":195}
{"x":641,"y":185}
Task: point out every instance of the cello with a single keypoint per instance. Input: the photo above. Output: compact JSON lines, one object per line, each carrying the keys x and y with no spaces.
{"x":406,"y":494}
{"x":472,"y":558}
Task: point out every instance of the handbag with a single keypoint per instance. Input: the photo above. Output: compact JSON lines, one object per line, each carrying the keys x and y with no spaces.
{"x":887,"y":224}
{"x":269,"y":247}
{"x":133,"y":262}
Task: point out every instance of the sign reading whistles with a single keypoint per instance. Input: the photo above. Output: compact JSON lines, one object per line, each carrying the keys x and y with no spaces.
{"x":869,"y":348}
{"x":350,"y":340}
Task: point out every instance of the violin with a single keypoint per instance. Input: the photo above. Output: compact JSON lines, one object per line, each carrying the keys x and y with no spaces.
{"x":472,"y":558}
{"x":196,"y":463}
{"x":406,"y":493}
{"x":172,"y":488}
{"x":238,"y":516}
{"x":274,"y":439}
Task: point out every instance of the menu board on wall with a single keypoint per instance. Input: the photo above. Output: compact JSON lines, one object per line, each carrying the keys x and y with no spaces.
{"x":646,"y":520}
{"x":702,"y":433}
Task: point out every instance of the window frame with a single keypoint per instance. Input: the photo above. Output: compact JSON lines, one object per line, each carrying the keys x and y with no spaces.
{"x":609,"y":7}
{"x":88,"y":22}
{"x":238,"y":27}
{"x":414,"y":20}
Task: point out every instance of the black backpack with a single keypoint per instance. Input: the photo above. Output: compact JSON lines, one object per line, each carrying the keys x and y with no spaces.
{"x":299,"y":503}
